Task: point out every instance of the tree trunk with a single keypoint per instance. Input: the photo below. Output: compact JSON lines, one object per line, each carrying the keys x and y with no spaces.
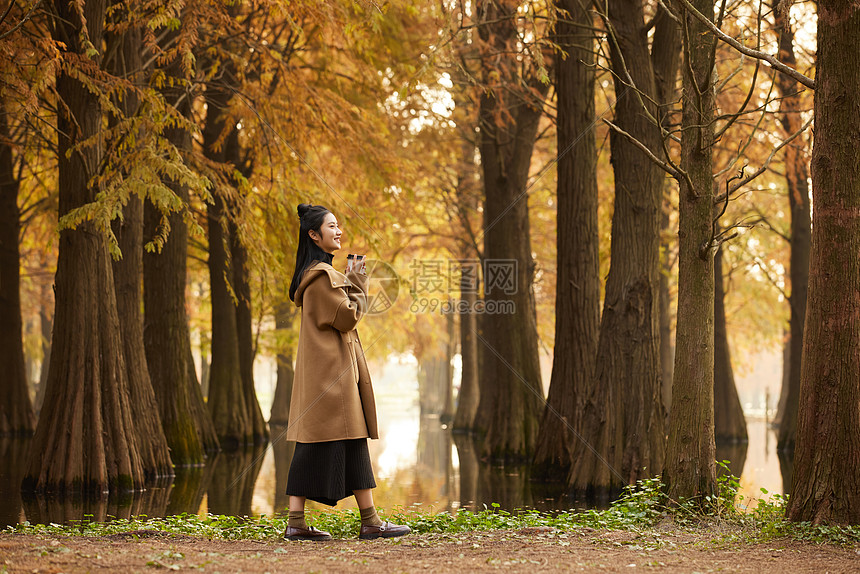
{"x":228,"y":402}
{"x":666,"y":58}
{"x":826,"y":488}
{"x":577,"y":293}
{"x":46,"y":326}
{"x":797,"y":180}
{"x":667,"y":348}
{"x":730,"y":426}
{"x":167,"y":340}
{"x":690,"y":471}
{"x":16,"y":410}
{"x":280,"y":414}
{"x":85,"y":441}
{"x":468,"y":396}
{"x":623,"y":424}
{"x":468,"y":200}
{"x":433,"y":379}
{"x":450,"y":348}
{"x":245,"y":335}
{"x":128,"y":275}
{"x":510,"y":381}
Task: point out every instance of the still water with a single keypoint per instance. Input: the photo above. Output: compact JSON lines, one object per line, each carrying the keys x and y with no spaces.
{"x":417,"y":461}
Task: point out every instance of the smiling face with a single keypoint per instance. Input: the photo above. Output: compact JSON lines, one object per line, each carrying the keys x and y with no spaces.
{"x":328,"y":238}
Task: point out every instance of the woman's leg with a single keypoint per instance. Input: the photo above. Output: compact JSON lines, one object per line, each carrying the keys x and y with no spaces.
{"x":297,"y":503}
{"x":371,"y":525}
{"x":296,"y":516}
{"x":363,"y":497}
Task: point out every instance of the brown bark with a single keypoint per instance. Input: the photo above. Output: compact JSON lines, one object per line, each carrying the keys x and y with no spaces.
{"x":690,"y":471}
{"x":434,"y":380}
{"x":128,"y":276}
{"x":280,"y":413}
{"x":666,"y":58}
{"x":85,"y":441}
{"x":797,"y":180}
{"x":186,"y":422}
{"x":468,"y":200}
{"x":510,"y":381}
{"x":623,"y":424}
{"x":46,"y":326}
{"x":245,"y":337}
{"x":730,"y":426}
{"x":577,"y":294}
{"x":826,"y":488}
{"x":667,"y":347}
{"x":469,"y":394}
{"x":16,"y":410}
{"x":227,"y":404}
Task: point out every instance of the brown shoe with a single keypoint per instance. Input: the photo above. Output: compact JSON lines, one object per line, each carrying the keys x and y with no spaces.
{"x":309,"y":533}
{"x":385,"y":530}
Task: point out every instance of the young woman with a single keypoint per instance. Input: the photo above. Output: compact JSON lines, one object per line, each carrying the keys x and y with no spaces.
{"x":332,"y":409}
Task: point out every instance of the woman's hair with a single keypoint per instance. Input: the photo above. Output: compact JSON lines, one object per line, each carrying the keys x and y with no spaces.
{"x":308,"y":253}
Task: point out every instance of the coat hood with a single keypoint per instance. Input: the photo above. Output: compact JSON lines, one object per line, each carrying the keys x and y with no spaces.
{"x":335,"y":277}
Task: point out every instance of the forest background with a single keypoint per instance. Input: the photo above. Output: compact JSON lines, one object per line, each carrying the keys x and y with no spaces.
{"x":625,"y":176}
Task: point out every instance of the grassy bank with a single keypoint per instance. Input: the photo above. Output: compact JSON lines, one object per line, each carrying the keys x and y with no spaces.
{"x":642,"y":509}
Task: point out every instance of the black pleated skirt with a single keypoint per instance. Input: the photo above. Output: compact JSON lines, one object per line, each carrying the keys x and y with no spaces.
{"x":327,"y":472}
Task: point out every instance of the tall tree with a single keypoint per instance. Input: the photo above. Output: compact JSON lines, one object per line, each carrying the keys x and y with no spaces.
{"x":167,"y":340}
{"x":285,"y":315}
{"x":730,"y":426}
{"x":510,"y":381}
{"x":623,"y":421}
{"x":797,"y":181}
{"x":826,"y":487}
{"x":577,"y":292}
{"x":690,"y":470}
{"x":227,"y":401}
{"x":85,"y":440}
{"x":245,"y":334}
{"x":126,"y":61}
{"x":16,"y":409}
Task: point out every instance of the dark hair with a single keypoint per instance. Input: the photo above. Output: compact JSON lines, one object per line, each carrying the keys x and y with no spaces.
{"x":308,"y":253}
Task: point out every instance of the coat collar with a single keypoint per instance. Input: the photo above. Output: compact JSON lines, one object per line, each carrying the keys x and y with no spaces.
{"x":335,"y":277}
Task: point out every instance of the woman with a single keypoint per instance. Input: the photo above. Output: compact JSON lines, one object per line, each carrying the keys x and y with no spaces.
{"x":332,"y":409}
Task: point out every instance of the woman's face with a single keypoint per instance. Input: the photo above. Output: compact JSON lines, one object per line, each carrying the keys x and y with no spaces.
{"x":328,"y":238}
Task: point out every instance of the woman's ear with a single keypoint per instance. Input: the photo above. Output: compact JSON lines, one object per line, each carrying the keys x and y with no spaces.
{"x":312,"y":234}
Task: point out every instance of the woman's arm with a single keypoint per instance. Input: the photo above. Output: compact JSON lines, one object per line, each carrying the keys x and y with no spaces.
{"x":338,"y":309}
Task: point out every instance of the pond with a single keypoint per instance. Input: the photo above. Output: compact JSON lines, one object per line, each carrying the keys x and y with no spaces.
{"x":418,"y":461}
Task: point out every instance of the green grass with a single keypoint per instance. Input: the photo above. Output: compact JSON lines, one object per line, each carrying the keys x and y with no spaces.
{"x":641,"y":509}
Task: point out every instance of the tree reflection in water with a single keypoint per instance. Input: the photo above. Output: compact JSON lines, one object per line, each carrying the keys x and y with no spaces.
{"x":232,"y":488}
{"x":435,"y":469}
{"x":13,"y":453}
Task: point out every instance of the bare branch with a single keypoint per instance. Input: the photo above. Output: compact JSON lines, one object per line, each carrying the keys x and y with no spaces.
{"x":659,"y":162}
{"x":774,"y":63}
{"x":764,"y":166}
{"x":23,"y":21}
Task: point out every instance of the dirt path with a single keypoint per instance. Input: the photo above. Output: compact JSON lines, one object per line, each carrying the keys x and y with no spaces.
{"x":528,"y":550}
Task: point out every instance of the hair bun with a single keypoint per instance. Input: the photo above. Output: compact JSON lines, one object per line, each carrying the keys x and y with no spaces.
{"x":303,"y":208}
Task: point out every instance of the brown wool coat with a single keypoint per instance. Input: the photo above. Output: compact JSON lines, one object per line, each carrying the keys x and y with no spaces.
{"x":332,"y":395}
